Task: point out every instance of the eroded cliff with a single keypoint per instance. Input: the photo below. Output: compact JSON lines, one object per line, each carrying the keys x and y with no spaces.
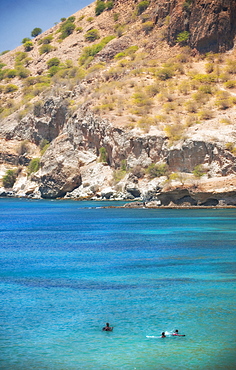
{"x":138,"y":119}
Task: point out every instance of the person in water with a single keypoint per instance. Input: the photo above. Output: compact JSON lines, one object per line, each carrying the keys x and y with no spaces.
{"x":176,"y":333}
{"x":107,"y":327}
{"x":163,"y":335}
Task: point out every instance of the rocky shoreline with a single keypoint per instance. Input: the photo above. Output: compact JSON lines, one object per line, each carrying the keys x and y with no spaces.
{"x":72,"y":168}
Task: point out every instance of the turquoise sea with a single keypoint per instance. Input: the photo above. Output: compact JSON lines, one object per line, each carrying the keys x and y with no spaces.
{"x":67,"y":268}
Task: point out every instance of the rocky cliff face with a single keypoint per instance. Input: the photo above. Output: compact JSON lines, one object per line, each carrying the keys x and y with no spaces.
{"x":71,"y":165}
{"x":211,"y":24}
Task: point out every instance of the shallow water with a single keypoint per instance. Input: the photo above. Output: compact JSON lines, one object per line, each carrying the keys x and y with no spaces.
{"x":69,"y":267}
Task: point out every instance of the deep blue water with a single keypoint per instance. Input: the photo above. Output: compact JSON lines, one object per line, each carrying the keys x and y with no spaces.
{"x":69,"y":267}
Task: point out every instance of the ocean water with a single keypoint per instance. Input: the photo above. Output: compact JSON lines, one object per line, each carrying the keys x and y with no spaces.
{"x":67,"y":268}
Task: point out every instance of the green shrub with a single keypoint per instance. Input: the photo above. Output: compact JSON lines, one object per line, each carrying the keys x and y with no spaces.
{"x":191,"y":106}
{"x":53,"y":62}
{"x":25,"y":39}
{"x":45,"y":49}
{"x":157,"y":169}
{"x":67,"y":27}
{"x":9,"y":179}
{"x":11,"y":73}
{"x":100,"y":7}
{"x":67,"y":30}
{"x":142,"y":6}
{"x":198,"y":171}
{"x":10,"y":88}
{"x":36,"y":80}
{"x":209,"y":67}
{"x":141,"y":99}
{"x":2,"y":65}
{"x":28,"y":45}
{"x":44,"y":145}
{"x":231,"y":66}
{"x":174,"y":132}
{"x":23,"y":72}
{"x":20,"y":56}
{"x":53,"y":70}
{"x":165,"y":73}
{"x":34,"y":165}
{"x":92,"y":35}
{"x":4,"y":52}
{"x":205,"y":114}
{"x":46,"y":40}
{"x":127,"y":52}
{"x":147,"y":27}
{"x":109,"y":5}
{"x":118,"y":175}
{"x":116,"y":17}
{"x":103,"y":155}
{"x":230,"y":84}
{"x":223,"y":100}
{"x":119,"y":29}
{"x":206,"y":79}
{"x":91,"y":51}
{"x":36,"y":31}
{"x":182,"y":37}
{"x":231,"y":147}
{"x":79,"y":29}
{"x":71,"y":19}
{"x":206,"y":89}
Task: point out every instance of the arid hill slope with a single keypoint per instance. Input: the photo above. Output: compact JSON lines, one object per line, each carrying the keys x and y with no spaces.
{"x":136,"y":102}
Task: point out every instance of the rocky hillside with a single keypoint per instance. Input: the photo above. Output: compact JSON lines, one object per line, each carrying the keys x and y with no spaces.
{"x":124,"y":100}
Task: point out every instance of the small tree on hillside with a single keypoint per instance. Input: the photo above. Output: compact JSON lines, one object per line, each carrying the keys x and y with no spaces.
{"x":36,"y":31}
{"x":25,"y":39}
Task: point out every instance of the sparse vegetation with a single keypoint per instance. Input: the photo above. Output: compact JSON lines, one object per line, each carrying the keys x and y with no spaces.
{"x":44,"y":145}
{"x":34,"y":165}
{"x":67,"y":27}
{"x":92,"y":35}
{"x":25,"y":39}
{"x":100,"y":7}
{"x":46,"y":40}
{"x":9,"y":179}
{"x":157,"y":170}
{"x":183,"y":37}
{"x":142,"y":6}
{"x":53,"y":62}
{"x":147,"y":27}
{"x":45,"y":49}
{"x":199,"y":171}
{"x":90,"y":51}
{"x":28,"y":45}
{"x":11,"y":88}
{"x":103,"y":155}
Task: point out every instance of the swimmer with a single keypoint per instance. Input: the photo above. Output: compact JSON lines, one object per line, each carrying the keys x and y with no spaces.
{"x":163,"y":335}
{"x":176,"y":333}
{"x":107,"y":327}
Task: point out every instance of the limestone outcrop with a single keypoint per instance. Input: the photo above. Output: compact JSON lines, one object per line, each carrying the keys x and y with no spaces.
{"x":71,"y":167}
{"x":211,"y":24}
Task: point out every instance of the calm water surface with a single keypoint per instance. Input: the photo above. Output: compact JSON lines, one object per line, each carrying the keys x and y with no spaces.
{"x":69,"y":267}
